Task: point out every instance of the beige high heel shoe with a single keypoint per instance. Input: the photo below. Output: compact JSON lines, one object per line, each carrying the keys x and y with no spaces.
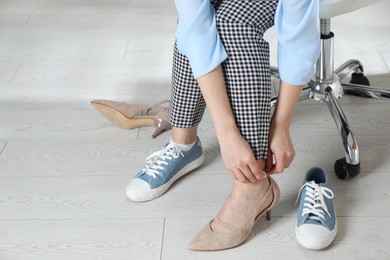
{"x":209,"y":240}
{"x":129,"y":116}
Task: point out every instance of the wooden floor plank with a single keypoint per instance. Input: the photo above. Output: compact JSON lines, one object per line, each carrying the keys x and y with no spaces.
{"x":81,"y":239}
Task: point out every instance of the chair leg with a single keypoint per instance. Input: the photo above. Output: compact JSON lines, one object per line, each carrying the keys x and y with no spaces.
{"x":328,"y":87}
{"x":347,"y":67}
{"x":365,"y":91}
{"x":350,"y":165}
{"x":359,"y":86}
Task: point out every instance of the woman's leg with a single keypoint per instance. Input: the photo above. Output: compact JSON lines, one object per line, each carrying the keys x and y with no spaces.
{"x":241,"y":25}
{"x":187,"y":103}
{"x":184,"y":152}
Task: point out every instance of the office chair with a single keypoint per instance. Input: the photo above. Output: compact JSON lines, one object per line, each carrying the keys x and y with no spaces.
{"x":328,"y":86}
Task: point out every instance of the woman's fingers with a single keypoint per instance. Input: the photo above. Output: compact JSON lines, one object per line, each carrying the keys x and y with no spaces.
{"x":247,"y":172}
{"x":283,"y":160}
{"x":269,"y":162}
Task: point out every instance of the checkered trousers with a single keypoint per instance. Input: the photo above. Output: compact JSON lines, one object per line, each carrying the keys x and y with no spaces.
{"x":241,"y":25}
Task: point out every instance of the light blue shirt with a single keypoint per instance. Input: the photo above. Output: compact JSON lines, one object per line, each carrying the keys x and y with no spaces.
{"x":297,"y":28}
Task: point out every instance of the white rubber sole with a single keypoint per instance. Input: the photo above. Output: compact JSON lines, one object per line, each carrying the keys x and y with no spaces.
{"x":320,"y":243}
{"x":155,"y":193}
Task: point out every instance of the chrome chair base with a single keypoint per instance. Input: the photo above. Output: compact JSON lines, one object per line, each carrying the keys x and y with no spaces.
{"x":328,"y":86}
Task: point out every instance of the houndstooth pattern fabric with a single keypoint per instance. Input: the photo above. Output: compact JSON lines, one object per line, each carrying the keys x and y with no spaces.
{"x":241,"y":25}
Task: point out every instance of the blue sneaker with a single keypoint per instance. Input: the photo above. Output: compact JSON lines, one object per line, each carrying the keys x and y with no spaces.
{"x":162,"y":169}
{"x":316,"y":226}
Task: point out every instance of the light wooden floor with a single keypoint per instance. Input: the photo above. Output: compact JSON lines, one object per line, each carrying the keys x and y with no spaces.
{"x":63,"y":168}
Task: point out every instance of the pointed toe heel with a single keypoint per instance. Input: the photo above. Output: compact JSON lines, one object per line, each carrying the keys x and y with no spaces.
{"x":130,"y":116}
{"x":208,"y":240}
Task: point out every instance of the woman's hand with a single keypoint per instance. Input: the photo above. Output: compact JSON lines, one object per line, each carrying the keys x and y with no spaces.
{"x":281,"y":151}
{"x":280,"y":147}
{"x":239,"y":159}
{"x":235,"y":150}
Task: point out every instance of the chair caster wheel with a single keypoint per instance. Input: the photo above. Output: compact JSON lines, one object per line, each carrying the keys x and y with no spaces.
{"x":360,"y":79}
{"x":344,"y":170}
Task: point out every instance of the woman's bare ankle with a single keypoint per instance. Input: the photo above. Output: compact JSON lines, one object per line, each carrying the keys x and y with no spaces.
{"x":184,"y":135}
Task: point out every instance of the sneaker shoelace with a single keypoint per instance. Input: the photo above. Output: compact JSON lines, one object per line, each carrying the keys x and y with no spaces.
{"x":314,"y":204}
{"x":160,"y":159}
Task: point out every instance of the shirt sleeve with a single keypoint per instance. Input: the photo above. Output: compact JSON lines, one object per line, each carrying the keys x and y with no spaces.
{"x":298,"y":30}
{"x":197,"y":36}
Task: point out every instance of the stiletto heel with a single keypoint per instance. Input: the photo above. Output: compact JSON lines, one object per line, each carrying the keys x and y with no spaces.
{"x":129,"y":116}
{"x":268,"y":214}
{"x":209,"y":240}
{"x":161,"y":125}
